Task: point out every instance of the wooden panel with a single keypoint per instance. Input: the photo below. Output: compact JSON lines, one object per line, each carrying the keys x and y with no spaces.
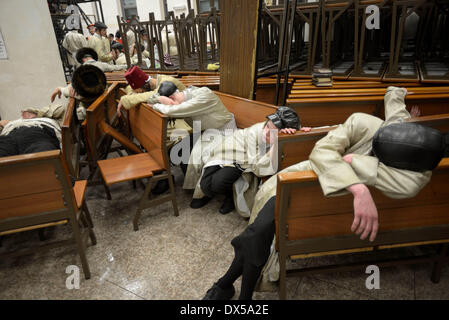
{"x":389,"y":219}
{"x":246,"y":112}
{"x":27,"y":179}
{"x":149,"y":128}
{"x":31,"y":204}
{"x":238,"y":39}
{"x":324,"y":113}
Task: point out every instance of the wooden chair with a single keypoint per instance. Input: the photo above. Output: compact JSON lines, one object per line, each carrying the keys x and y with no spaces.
{"x":40,"y":195}
{"x":149,"y":127}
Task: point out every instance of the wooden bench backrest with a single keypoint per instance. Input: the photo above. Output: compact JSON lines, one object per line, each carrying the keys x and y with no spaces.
{"x":246,"y":112}
{"x":102,"y":109}
{"x":37,"y":183}
{"x":70,"y":132}
{"x":297,"y":147}
{"x":149,"y":127}
{"x":312,"y":216}
{"x":316,"y":112}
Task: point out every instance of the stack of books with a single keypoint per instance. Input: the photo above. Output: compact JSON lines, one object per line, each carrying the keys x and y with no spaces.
{"x":322,"y":77}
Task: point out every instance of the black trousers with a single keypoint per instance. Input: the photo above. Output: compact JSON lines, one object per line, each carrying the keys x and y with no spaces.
{"x":25,"y":140}
{"x":218,"y":180}
{"x":185,"y":141}
{"x":255,"y":241}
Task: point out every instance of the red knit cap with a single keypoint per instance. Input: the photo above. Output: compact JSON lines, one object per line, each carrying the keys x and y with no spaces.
{"x":136,"y":77}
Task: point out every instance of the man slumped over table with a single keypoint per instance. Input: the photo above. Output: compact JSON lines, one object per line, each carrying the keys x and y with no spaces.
{"x":344,"y":163}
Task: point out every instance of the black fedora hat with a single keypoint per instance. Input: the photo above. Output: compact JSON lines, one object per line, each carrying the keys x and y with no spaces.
{"x":85,"y":51}
{"x":89,"y":81}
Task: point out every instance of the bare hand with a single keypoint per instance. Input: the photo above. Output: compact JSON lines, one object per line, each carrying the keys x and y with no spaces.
{"x":55,"y":93}
{"x":348,"y":158}
{"x":288,"y":130}
{"x":28,"y":115}
{"x":72,"y":92}
{"x":3,"y":123}
{"x":415,"y":112}
{"x":365,"y":212}
{"x":119,"y":108}
{"x":305,"y":129}
{"x":165,"y":100}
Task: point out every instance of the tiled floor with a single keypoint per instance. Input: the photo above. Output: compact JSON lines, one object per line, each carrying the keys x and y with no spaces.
{"x":180,"y":258}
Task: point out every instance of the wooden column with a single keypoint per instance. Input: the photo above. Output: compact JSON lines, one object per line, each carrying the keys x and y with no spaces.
{"x":238,"y":43}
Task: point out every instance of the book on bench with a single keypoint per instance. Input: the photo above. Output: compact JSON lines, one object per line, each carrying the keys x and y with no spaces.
{"x":322,"y":77}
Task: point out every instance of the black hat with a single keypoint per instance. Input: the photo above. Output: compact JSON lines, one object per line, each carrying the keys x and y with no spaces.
{"x":89,"y":81}
{"x":167,"y":88}
{"x":285,"y":117}
{"x":409,"y":146}
{"x":117,"y":46}
{"x":100,"y":25}
{"x":82,"y":52}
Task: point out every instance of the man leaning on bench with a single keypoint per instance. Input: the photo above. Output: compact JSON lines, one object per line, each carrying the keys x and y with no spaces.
{"x":392,"y":155}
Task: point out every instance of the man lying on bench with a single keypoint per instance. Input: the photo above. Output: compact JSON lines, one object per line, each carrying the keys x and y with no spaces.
{"x":29,"y":134}
{"x":233,"y":166}
{"x":345,"y":163}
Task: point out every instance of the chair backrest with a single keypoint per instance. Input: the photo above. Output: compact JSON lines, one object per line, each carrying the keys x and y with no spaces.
{"x":70,"y":131}
{"x":246,"y":112}
{"x":38,"y":190}
{"x":149,"y":127}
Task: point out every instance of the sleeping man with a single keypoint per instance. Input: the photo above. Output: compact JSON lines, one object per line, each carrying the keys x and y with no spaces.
{"x":29,"y":134}
{"x":394,"y":157}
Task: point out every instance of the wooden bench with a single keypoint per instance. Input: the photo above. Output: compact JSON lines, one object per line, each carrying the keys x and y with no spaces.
{"x":312,"y":225}
{"x":316,"y":110}
{"x":39,"y":194}
{"x":246,"y":112}
{"x":153,"y":164}
{"x":103,"y":126}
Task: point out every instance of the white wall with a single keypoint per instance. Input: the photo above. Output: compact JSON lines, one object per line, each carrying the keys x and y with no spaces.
{"x":144,"y":7}
{"x":34,"y":67}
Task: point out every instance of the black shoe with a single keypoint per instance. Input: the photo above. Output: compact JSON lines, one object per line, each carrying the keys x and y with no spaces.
{"x":227,"y":206}
{"x":162,"y":186}
{"x":217,"y":293}
{"x":199,"y":203}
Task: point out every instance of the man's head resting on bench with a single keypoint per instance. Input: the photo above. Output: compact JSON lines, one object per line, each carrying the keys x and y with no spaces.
{"x":168,"y":89}
{"x":409,"y":146}
{"x":139,"y":80}
{"x":284,"y":119}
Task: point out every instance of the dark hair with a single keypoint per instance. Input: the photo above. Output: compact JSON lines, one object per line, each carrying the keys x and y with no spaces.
{"x":111,"y":35}
{"x":118,"y":34}
{"x":167,"y":88}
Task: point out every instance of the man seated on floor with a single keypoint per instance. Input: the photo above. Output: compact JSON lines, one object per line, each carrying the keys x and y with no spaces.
{"x":345,"y":163}
{"x":234,"y":166}
{"x":29,"y":134}
{"x":120,"y":57}
{"x":88,"y":82}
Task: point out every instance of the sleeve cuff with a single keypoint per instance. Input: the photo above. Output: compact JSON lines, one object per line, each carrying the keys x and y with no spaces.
{"x":337,"y":179}
{"x":154,"y":98}
{"x":366,"y":168}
